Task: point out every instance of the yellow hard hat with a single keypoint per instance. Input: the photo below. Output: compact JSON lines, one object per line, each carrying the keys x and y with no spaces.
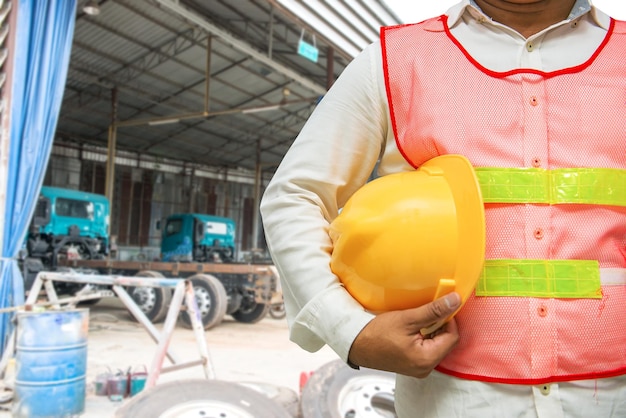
{"x":405,"y":239}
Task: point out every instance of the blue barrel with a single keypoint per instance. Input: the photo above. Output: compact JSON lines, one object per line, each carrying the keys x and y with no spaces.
{"x":50,"y":363}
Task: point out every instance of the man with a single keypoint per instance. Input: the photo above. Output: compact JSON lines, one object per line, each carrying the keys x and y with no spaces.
{"x":520,"y":87}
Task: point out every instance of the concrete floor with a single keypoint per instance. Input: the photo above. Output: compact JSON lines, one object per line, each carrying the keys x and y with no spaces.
{"x":244,"y":353}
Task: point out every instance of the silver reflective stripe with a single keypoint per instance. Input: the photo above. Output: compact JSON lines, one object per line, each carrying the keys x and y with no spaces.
{"x":612,"y":276}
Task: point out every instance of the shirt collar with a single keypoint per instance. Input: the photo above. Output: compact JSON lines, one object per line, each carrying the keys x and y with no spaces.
{"x":581,"y":7}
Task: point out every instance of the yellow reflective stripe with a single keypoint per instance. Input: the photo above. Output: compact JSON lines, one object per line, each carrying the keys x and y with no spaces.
{"x":597,"y":186}
{"x":541,"y":279}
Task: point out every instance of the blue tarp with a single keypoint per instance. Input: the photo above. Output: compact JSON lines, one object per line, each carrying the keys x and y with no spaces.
{"x":42,"y":49}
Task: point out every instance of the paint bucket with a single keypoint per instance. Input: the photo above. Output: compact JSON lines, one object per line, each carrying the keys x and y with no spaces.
{"x":137,"y":380}
{"x":50,"y":363}
{"x":117,"y":386}
{"x":101,"y":382}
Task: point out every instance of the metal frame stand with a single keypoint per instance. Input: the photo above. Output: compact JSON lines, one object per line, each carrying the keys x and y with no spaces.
{"x":183,"y":290}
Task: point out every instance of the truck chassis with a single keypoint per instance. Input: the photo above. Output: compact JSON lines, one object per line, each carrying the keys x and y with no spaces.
{"x":244,"y":291}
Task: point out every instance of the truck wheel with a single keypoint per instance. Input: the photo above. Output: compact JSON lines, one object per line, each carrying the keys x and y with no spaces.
{"x":195,"y":397}
{"x":211,"y":299}
{"x":336,"y":390}
{"x":153,"y":301}
{"x":284,"y":396}
{"x":277,"y":310}
{"x":251,"y":313}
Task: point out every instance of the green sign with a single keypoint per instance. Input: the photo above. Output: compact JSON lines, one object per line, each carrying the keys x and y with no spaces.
{"x":308,"y":51}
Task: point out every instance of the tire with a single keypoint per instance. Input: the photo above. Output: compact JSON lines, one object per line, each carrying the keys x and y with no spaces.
{"x":251,"y":313}
{"x":74,"y":289}
{"x":211,"y":299}
{"x":277,"y":311}
{"x":284,"y":396}
{"x":337,"y":391}
{"x":195,"y":397}
{"x":153,"y":301}
{"x":88,"y":288}
{"x":89,"y":302}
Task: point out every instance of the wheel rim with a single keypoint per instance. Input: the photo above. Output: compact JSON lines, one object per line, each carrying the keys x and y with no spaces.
{"x":367,"y":397}
{"x":205,"y":408}
{"x":145,"y":298}
{"x":277,"y":310}
{"x":203,"y":299}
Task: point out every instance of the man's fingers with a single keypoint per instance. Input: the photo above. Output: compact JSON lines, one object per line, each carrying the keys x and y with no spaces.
{"x":445,"y":305}
{"x":436,"y":310}
{"x":392,"y":340}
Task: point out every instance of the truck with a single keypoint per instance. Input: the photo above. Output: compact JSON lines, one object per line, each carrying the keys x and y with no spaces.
{"x":69,"y":232}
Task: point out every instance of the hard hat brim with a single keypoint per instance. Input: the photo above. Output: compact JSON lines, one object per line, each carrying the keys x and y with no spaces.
{"x":468,"y":199}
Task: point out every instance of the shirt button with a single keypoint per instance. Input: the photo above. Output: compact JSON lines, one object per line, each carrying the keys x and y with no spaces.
{"x":544,"y":389}
{"x":542,"y":311}
{"x":538,"y":233}
{"x":536,"y":162}
{"x":529,"y":46}
{"x":534,"y":101}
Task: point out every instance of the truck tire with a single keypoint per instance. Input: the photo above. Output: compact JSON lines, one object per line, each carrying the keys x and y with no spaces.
{"x":287,"y":397}
{"x":251,"y":313}
{"x":211,"y":299}
{"x":277,"y":310}
{"x":336,"y":390}
{"x":153,"y":301}
{"x":196,"y":397}
{"x":76,"y":289}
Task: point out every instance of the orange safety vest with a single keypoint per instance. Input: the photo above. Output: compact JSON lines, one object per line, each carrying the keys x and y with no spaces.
{"x":442,"y":101}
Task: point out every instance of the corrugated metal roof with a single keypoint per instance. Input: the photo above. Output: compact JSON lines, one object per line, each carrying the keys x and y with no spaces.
{"x":154,"y":57}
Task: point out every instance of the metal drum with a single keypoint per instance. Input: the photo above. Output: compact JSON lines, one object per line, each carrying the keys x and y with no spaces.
{"x":50,"y":363}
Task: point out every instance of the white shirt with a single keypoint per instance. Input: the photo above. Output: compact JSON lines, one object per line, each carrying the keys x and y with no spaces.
{"x":349,"y":135}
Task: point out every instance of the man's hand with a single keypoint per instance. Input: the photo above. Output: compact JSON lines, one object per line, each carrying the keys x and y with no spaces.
{"x":392,"y":341}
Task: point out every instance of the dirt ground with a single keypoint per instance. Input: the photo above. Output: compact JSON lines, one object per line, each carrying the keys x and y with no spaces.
{"x":244,"y":353}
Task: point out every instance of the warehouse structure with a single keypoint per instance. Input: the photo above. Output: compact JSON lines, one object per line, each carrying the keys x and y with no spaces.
{"x":189,"y":105}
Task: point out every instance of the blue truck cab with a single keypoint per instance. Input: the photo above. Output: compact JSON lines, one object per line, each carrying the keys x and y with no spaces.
{"x":66,"y":224}
{"x":63,"y":208}
{"x":198,"y":237}
{"x":66,"y":218}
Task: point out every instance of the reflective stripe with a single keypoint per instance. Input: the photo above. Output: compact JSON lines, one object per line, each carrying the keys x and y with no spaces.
{"x":613,"y":276}
{"x":541,"y":279}
{"x":599,"y":186}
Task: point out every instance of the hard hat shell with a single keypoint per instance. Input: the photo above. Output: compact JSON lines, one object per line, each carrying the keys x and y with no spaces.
{"x":405,"y":239}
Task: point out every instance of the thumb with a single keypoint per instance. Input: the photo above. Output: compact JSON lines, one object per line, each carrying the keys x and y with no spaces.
{"x":437,"y":311}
